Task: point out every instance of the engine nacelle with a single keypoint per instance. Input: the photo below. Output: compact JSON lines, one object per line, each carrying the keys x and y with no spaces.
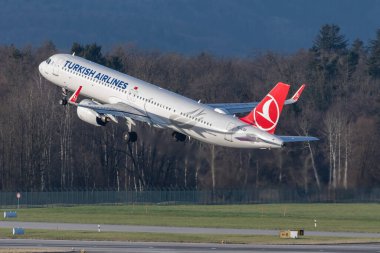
{"x":90,"y":116}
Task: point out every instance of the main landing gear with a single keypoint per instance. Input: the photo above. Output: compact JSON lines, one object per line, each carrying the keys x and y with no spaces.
{"x":63,"y":101}
{"x":179,"y":137}
{"x":130,"y":137}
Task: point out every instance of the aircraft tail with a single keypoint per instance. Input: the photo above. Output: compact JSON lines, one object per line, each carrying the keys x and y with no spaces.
{"x":266,"y":114}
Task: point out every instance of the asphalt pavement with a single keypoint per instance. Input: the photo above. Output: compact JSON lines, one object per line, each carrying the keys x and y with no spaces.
{"x":158,"y":247}
{"x":174,"y":230}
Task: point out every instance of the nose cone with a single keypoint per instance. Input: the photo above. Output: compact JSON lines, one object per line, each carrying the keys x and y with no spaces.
{"x":41,"y":67}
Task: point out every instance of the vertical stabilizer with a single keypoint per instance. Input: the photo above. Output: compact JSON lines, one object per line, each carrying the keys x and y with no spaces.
{"x":266,"y":114}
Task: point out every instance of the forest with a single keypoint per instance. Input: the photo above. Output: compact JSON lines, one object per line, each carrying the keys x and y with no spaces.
{"x":44,"y":146}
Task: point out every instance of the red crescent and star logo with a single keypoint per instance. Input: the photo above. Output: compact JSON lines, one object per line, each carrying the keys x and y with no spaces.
{"x":266,"y":114}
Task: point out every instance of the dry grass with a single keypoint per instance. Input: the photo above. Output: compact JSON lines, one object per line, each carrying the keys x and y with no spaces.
{"x":44,"y":250}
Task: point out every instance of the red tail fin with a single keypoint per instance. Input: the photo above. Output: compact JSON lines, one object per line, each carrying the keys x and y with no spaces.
{"x":266,"y":114}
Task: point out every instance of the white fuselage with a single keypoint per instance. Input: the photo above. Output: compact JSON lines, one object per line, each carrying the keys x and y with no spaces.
{"x":164,"y":108}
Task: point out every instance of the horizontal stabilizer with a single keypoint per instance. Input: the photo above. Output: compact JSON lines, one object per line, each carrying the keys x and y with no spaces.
{"x":234,"y":108}
{"x":297,"y":138}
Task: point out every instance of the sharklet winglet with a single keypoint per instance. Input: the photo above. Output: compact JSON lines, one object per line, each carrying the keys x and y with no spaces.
{"x":74,"y":97}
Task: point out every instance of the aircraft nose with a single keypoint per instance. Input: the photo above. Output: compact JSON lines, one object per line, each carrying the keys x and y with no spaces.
{"x":41,"y":67}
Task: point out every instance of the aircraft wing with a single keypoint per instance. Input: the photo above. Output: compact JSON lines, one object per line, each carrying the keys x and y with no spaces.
{"x":234,"y":108}
{"x":118,"y":109}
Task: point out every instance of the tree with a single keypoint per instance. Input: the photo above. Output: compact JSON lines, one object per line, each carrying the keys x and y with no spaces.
{"x":374,"y":56}
{"x":355,"y":54}
{"x":329,"y":46}
{"x":329,"y":63}
{"x":44,"y":146}
{"x":338,"y":135}
{"x":91,"y":52}
{"x":329,"y":40}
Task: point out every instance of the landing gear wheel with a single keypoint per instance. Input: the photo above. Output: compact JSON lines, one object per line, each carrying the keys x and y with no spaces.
{"x":63,"y":101}
{"x":130,"y":137}
{"x":179,"y":137}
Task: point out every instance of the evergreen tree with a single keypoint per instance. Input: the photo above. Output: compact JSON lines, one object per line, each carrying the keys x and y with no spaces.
{"x":115,"y":63}
{"x":328,"y":47}
{"x":374,"y":56}
{"x":354,"y":55}
{"x":91,"y":52}
{"x":329,"y":40}
{"x":329,"y":60}
{"x":77,"y":49}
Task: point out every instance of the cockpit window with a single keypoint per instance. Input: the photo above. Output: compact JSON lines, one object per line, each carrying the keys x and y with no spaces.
{"x":48,"y":61}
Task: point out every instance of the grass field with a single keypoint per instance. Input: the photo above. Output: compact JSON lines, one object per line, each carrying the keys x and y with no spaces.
{"x":330,"y":217}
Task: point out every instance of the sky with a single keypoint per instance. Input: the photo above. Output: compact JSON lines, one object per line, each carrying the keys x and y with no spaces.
{"x":221,"y":27}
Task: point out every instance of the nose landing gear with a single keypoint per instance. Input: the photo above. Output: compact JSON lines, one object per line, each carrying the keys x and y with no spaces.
{"x":63,"y":101}
{"x":130,"y":137}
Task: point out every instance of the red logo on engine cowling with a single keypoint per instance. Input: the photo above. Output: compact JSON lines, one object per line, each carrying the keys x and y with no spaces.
{"x":266,"y":114}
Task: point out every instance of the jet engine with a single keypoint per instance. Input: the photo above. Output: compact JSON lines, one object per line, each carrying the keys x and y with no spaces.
{"x":90,"y":116}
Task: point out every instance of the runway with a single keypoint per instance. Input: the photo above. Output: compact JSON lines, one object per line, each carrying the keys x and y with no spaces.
{"x":173,"y":230}
{"x":107,"y":246}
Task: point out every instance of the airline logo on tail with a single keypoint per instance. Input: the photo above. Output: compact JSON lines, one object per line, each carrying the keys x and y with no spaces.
{"x":266,"y":114}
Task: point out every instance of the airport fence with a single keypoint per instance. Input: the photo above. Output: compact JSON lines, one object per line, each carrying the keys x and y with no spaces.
{"x":170,"y":196}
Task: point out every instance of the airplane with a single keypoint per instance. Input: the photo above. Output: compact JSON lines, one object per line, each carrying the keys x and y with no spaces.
{"x":113,"y":95}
